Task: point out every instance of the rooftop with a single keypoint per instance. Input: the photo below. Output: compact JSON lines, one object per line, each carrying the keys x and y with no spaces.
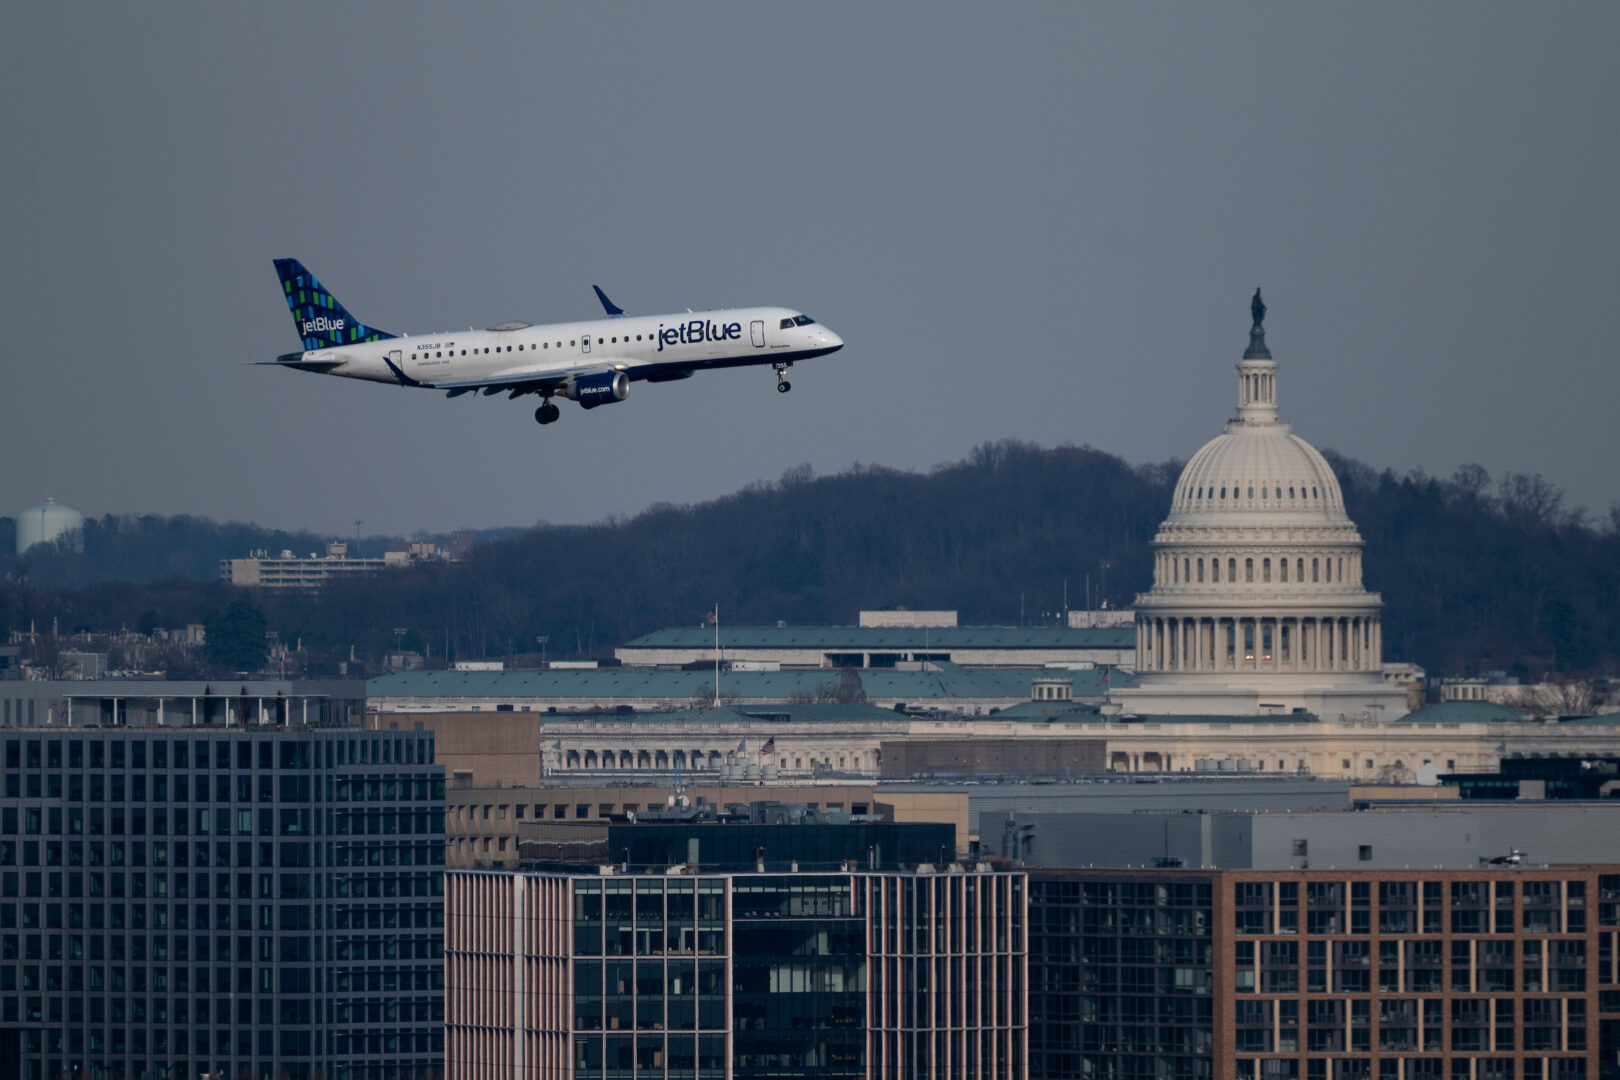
{"x":1462,"y":712}
{"x":948,"y":682}
{"x":888,"y":637}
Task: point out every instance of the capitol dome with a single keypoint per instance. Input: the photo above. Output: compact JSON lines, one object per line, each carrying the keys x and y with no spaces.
{"x":1257,"y":602}
{"x":1253,"y":470}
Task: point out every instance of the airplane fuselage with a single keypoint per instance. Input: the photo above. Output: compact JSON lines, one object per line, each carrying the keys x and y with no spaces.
{"x":645,"y":347}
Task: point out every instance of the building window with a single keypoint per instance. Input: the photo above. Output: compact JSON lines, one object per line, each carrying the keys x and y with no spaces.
{"x":1364,"y":853}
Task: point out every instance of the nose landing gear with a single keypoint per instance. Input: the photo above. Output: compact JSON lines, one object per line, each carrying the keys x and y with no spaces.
{"x":547,"y":413}
{"x":782,"y":385}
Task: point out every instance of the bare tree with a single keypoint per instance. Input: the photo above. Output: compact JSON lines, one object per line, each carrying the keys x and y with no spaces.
{"x":1558,"y":697}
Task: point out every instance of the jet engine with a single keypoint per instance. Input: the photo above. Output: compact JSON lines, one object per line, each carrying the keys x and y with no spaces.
{"x":601,"y":388}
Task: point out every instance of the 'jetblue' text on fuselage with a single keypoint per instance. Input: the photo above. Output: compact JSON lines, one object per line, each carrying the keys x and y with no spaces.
{"x":689,"y":333}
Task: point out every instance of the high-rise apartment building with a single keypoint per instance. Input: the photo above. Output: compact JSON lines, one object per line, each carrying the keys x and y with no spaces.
{"x":1498,"y":973}
{"x":243,"y":904}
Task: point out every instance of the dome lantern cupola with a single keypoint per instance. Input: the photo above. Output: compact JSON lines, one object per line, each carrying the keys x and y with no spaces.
{"x":1257,"y":373}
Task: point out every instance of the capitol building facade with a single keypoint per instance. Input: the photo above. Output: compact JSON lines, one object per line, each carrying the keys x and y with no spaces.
{"x":1257,"y":605}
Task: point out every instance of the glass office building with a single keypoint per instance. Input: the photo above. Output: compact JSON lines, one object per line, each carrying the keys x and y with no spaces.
{"x":244,"y":904}
{"x":715,"y":972}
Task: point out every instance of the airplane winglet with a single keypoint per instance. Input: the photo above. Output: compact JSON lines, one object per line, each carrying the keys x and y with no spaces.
{"x":607,"y":305}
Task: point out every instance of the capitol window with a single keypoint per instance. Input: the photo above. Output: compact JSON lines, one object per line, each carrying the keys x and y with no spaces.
{"x":1248,"y":570}
{"x":1265,"y":570}
{"x":1282,"y":567}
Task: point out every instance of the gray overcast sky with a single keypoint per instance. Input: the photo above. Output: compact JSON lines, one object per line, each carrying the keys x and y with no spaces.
{"x":1040,"y":221}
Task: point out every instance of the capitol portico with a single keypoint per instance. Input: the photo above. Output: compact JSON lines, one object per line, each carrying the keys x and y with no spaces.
{"x":1257,"y":604}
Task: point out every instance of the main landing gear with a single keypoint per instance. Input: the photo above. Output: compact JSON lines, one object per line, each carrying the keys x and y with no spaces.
{"x":547,"y":413}
{"x":782,"y":385}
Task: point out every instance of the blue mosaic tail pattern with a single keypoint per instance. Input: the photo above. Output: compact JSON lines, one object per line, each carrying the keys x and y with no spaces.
{"x":322,"y":322}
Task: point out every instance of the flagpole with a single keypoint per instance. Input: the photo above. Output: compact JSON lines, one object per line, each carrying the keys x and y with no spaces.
{"x":717,"y":654}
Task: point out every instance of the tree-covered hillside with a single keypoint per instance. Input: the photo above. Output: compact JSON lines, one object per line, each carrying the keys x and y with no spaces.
{"x":1475,"y":574}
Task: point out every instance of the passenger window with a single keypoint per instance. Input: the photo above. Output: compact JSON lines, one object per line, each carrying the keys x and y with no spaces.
{"x":571,"y":343}
{"x":545,"y":344}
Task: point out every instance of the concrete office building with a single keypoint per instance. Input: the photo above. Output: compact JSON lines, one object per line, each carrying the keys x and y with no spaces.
{"x":836,"y":959}
{"x":250,"y":905}
{"x":73,"y":703}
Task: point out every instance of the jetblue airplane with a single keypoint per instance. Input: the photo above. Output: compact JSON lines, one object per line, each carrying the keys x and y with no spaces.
{"x":592,"y":363}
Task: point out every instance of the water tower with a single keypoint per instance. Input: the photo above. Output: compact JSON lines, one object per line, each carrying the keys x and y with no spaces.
{"x":44,"y":523}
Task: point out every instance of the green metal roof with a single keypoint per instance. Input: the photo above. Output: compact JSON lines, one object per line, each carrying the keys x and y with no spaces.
{"x":862,"y":638}
{"x":1461,"y":712}
{"x":643,"y":682}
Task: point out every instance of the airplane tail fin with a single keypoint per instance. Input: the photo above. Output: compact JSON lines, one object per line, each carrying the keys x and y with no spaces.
{"x":322,"y":322}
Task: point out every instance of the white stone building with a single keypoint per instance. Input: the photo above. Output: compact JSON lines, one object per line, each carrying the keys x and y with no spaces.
{"x":1257,"y":605}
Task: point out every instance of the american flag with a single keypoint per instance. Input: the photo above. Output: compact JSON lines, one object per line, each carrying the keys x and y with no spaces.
{"x":769,"y":746}
{"x":712,"y":617}
{"x":742,"y":745}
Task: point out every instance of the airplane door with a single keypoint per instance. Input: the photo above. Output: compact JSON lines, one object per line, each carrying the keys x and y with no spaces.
{"x":397,"y":358}
{"x":585,"y":344}
{"x":756,"y":332}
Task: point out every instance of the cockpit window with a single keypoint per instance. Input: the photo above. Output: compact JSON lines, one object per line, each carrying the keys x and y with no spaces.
{"x":802,"y":320}
{"x":787,"y":324}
